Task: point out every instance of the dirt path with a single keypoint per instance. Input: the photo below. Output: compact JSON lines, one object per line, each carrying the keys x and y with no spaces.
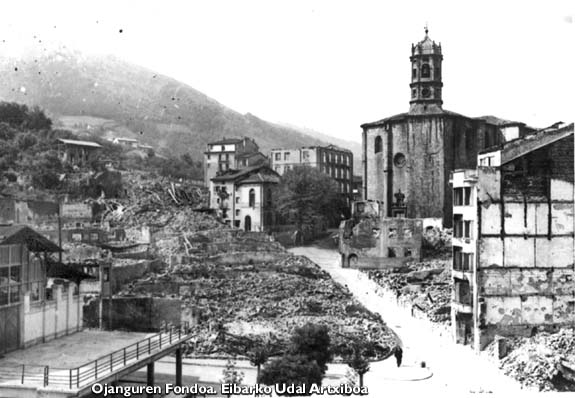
{"x":451,"y":368}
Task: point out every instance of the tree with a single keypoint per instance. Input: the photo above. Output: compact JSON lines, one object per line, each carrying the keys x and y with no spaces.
{"x":258,"y":357}
{"x":296,"y":369}
{"x":312,"y":341}
{"x":358,"y":361}
{"x":37,"y":120}
{"x":231,"y":375}
{"x":306,"y":194}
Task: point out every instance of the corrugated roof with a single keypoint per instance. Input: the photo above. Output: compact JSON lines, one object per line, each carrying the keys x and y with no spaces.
{"x":80,"y":143}
{"x":22,"y":234}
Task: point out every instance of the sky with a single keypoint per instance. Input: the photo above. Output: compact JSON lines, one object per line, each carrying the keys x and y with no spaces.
{"x":327,"y":65}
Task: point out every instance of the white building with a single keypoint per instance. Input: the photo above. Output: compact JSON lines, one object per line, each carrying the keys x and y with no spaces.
{"x":243,"y":198}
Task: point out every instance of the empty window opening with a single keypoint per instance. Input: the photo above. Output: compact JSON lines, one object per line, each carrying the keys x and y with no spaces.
{"x":378,"y":144}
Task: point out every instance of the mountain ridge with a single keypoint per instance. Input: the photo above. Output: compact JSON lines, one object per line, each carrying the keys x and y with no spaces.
{"x":107,"y":96}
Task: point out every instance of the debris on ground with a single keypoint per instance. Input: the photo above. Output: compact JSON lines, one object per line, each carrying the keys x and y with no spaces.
{"x":545,"y":361}
{"x":244,"y":287}
{"x":243,"y":305}
{"x":426,"y":285}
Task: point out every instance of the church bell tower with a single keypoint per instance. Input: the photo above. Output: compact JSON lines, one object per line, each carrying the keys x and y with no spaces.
{"x":426,"y":81}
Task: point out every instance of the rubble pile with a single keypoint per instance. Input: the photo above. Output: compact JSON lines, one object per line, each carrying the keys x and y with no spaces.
{"x":241,"y":306}
{"x":427,"y":285}
{"x":545,"y":361}
{"x":156,"y":202}
{"x":437,"y":242}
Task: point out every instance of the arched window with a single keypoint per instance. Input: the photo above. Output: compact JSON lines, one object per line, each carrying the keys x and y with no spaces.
{"x":378,"y":145}
{"x":425,"y":70}
{"x":252,"y":197}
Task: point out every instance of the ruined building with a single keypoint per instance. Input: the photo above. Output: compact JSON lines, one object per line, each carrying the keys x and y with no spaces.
{"x":413,"y":153}
{"x":513,"y":263}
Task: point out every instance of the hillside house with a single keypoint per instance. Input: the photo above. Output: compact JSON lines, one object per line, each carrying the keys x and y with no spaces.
{"x":126,"y":142}
{"x":77,"y":153}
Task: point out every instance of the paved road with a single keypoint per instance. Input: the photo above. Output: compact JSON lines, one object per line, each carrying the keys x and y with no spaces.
{"x":454,"y":369}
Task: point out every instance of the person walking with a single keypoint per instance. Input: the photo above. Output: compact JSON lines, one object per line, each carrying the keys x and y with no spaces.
{"x":398,"y":355}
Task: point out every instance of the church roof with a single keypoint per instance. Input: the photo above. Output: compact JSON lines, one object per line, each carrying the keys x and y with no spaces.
{"x":402,"y":116}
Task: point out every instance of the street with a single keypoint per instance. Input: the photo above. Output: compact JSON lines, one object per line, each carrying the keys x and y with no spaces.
{"x":451,"y":368}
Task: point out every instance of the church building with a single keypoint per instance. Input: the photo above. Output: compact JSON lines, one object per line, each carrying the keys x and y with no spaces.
{"x":407,"y":158}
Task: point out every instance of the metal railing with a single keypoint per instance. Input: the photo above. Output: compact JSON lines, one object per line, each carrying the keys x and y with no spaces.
{"x":76,"y":378}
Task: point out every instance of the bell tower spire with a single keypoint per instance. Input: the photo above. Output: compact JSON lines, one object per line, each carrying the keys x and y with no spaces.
{"x":426,"y":83}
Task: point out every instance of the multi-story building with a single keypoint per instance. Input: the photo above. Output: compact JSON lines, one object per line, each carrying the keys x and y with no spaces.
{"x":230,"y":154}
{"x":244,"y":198}
{"x":513,"y":242}
{"x":413,"y":153}
{"x":331,"y":160}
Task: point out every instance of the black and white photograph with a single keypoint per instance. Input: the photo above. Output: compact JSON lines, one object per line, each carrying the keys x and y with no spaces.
{"x":267,"y":198}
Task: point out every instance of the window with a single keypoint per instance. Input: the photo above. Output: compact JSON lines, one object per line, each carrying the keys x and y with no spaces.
{"x":223,"y":148}
{"x":278,"y":156}
{"x":467,"y":196}
{"x":457,"y":226}
{"x":399,"y":160}
{"x":252,"y":197}
{"x":237,"y":199}
{"x":457,"y":258}
{"x":378,"y":144}
{"x":209,"y":156}
{"x":305,"y":155}
{"x":425,"y":70}
{"x":414,"y":73}
{"x":467,"y":229}
{"x":458,"y":197}
{"x":237,"y":212}
{"x":237,"y":223}
{"x":286,"y":155}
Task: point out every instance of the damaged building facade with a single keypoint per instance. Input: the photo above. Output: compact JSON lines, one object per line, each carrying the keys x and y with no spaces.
{"x":369,"y":241}
{"x":513,"y":264}
{"x":412,"y":154}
